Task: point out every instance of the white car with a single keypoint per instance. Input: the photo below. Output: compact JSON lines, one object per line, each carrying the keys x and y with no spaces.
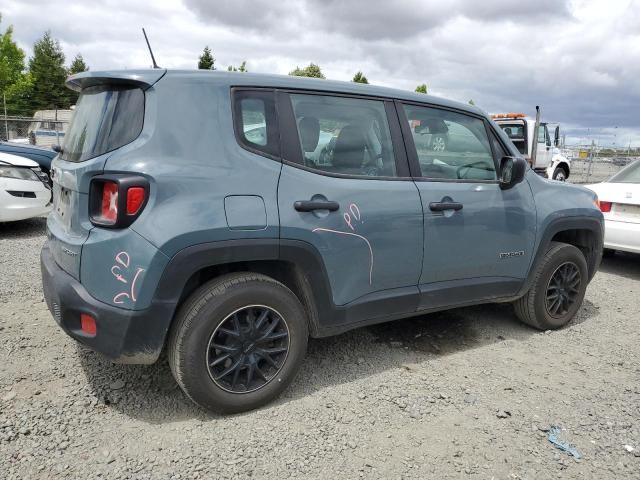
{"x":22,"y":192}
{"x":619,"y":199}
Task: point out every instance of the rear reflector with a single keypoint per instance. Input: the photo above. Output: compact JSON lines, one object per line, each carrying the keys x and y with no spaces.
{"x":88,"y":324}
{"x":605,"y":207}
{"x":135,"y":199}
{"x":109,"y":210}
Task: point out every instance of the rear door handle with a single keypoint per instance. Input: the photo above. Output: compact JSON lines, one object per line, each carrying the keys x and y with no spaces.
{"x":442,"y":206}
{"x":311,"y":205}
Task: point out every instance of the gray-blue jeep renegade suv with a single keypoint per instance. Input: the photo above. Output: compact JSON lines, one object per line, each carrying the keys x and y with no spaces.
{"x":228,"y":217}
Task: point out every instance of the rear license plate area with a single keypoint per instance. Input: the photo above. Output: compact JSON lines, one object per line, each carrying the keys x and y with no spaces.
{"x":627,"y":211}
{"x":62,"y":204}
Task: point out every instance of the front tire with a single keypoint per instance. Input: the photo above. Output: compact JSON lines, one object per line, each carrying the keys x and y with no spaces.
{"x":558,"y":288}
{"x":238,"y":342}
{"x":560,"y":174}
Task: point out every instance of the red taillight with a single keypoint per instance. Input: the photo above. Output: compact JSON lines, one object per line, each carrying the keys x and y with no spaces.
{"x":88,"y":324}
{"x":605,"y":207}
{"x":109,"y":210}
{"x":116,"y":200}
{"x":135,"y":199}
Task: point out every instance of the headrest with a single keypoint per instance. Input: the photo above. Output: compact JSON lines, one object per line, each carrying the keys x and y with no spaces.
{"x":309,"y":128}
{"x":350,"y":147}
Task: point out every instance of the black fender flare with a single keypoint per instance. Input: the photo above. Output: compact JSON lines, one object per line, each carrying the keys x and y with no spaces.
{"x":561,"y":224}
{"x":311,"y":275}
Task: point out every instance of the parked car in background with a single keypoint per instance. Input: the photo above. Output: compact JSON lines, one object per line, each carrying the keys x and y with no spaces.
{"x":223,"y":241}
{"x":620,"y":204}
{"x":620,"y":161}
{"x":41,"y":155}
{"x":24,"y":191}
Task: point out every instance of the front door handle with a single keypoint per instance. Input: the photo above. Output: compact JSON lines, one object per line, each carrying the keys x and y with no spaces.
{"x":442,"y":206}
{"x":311,"y":205}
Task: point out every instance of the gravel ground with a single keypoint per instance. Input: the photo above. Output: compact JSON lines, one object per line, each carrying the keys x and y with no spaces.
{"x":465,"y":393}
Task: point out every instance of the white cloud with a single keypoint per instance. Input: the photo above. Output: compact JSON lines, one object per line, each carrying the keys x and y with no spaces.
{"x":579,"y":60}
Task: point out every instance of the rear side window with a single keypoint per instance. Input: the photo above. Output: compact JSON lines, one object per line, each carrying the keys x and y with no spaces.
{"x":105,"y":118}
{"x":255,"y":121}
{"x":450,"y":145}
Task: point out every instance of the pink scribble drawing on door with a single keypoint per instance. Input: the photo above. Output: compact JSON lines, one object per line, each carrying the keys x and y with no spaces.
{"x":120,"y":271}
{"x":353,"y":214}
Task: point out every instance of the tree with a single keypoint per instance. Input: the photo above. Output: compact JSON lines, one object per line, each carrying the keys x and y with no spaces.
{"x":421,"y":88}
{"x":78,"y":65}
{"x":359,"y":78}
{"x":206,"y":60}
{"x":18,"y":96}
{"x":241,"y":68}
{"x":11,"y":60}
{"x":471,"y":102}
{"x":48,"y":74}
{"x":312,"y":70}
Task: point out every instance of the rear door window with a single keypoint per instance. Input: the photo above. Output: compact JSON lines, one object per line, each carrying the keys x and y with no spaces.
{"x":346,"y":136}
{"x":105,"y":118}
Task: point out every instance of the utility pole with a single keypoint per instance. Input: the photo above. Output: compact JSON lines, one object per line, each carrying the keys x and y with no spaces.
{"x":6,"y":124}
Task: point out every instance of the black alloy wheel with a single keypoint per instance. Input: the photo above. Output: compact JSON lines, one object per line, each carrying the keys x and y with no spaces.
{"x":563,"y":289}
{"x":248,"y":349}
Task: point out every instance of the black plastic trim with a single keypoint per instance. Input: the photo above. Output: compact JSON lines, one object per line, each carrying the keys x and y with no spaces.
{"x":562,"y":224}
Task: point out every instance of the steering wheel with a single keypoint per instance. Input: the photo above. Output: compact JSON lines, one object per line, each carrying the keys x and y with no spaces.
{"x":468,"y":166}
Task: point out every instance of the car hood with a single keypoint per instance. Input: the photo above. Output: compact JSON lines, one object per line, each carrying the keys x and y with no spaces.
{"x":17,"y":160}
{"x":617,"y":192}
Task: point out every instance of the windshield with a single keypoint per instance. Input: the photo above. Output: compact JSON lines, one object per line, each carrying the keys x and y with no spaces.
{"x":631,"y":174}
{"x":105,"y":118}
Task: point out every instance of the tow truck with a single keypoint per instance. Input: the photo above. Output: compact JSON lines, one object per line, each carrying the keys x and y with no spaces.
{"x":544,"y":156}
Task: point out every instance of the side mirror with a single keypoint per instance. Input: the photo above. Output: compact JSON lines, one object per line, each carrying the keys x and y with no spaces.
{"x":511,"y":171}
{"x":556,"y":136}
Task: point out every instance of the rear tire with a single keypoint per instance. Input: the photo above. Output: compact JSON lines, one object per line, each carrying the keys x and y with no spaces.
{"x":558,"y":288}
{"x":224,"y":324}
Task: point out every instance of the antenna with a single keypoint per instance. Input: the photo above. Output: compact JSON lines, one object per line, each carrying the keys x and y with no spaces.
{"x":153,"y":59}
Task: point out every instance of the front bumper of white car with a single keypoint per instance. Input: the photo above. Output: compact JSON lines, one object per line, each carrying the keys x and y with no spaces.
{"x":22,"y":199}
{"x":624,"y":236}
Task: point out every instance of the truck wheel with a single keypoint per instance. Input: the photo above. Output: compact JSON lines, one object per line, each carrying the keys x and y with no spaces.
{"x":558,"y":288}
{"x":560,"y":174}
{"x":237,"y":342}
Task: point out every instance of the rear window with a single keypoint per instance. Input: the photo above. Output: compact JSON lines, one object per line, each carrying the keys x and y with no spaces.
{"x":105,"y":118}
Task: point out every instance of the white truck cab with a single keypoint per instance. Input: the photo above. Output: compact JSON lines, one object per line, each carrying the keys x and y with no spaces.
{"x":549,"y":161}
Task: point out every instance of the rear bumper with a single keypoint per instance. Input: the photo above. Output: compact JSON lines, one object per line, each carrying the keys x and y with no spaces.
{"x":124,"y":336}
{"x":624,"y":236}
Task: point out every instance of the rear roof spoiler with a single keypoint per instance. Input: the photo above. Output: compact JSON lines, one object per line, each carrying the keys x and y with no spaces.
{"x":142,"y":78}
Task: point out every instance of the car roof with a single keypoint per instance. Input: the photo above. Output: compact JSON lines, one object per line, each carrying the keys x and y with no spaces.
{"x":240,"y":79}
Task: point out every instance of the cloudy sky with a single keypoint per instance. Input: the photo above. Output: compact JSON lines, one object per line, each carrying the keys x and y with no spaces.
{"x":578,"y":59}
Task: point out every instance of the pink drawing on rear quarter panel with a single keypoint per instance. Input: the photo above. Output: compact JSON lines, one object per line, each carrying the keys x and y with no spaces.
{"x":353,"y":235}
{"x":120,"y":272}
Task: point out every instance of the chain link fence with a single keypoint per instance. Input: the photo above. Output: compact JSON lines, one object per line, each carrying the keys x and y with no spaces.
{"x":590,"y":165}
{"x":45,"y":129}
